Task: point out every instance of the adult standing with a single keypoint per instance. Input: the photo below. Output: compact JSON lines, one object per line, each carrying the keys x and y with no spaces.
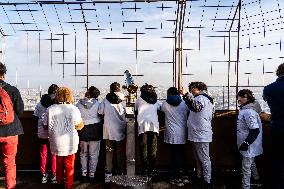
{"x":9,"y":133}
{"x":200,"y":133}
{"x":273,"y":94}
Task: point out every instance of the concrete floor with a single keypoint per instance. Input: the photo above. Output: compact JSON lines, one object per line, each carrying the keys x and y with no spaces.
{"x":31,"y":180}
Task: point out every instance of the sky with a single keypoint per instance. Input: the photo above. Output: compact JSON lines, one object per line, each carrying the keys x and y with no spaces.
{"x":30,"y":66}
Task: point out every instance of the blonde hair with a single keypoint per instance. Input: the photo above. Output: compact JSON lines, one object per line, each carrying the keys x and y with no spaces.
{"x":64,"y":95}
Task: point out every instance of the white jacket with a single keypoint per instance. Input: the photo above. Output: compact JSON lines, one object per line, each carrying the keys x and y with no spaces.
{"x":248,"y":119}
{"x":61,"y":120}
{"x":114,"y":120}
{"x":199,"y":123}
{"x":147,"y":117}
{"x":175,"y":123}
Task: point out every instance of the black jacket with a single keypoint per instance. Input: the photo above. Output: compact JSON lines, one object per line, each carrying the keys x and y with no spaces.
{"x":273,"y":94}
{"x":14,"y":128}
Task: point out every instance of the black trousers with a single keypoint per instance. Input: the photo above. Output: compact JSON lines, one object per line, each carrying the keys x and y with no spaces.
{"x":115,"y":156}
{"x":148,"y":150}
{"x":277,"y":159}
{"x":177,"y":159}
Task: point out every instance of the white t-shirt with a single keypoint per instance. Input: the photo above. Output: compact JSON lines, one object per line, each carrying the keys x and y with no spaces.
{"x":114,"y":120}
{"x":147,"y":117}
{"x":199,"y":123}
{"x":175,"y":123}
{"x":61,"y":120}
{"x":39,"y":112}
{"x":89,"y":111}
{"x":249,"y":119}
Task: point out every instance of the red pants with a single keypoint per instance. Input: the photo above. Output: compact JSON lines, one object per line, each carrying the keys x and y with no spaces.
{"x":44,"y":153}
{"x":8,"y":147}
{"x":65,"y":169}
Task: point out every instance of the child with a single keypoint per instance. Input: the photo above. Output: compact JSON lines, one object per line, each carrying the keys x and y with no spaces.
{"x":175,"y":131}
{"x":63,"y":120}
{"x":90,"y":135}
{"x":200,"y":129}
{"x":249,"y":134}
{"x":44,"y":149}
{"x":148,"y":128}
{"x":114,"y":129}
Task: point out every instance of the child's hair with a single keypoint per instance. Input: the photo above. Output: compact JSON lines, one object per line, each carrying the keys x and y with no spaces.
{"x":115,"y":87}
{"x":246,"y":93}
{"x":172,"y":91}
{"x":87,"y":94}
{"x":64,"y":95}
{"x":93,"y":92}
{"x":199,"y":85}
{"x":148,"y":93}
{"x":52,"y":89}
{"x":147,"y":88}
{"x":3,"y":69}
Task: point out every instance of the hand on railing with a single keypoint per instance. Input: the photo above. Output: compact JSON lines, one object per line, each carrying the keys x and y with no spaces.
{"x":265,"y":116}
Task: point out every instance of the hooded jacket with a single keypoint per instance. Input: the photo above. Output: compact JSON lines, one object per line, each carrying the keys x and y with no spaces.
{"x":174,"y":100}
{"x":92,"y":130}
{"x":147,"y":115}
{"x":254,"y":106}
{"x":196,"y":106}
{"x":115,"y":97}
{"x":200,"y":117}
{"x":249,"y":128}
{"x":253,"y":133}
{"x":40,"y":109}
{"x":114,"y":119}
{"x":176,"y":112}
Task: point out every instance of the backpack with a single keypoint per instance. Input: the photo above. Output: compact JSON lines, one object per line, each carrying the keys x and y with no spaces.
{"x":6,"y":108}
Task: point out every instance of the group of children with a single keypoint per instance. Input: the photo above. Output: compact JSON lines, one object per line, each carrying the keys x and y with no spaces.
{"x":188,"y":116}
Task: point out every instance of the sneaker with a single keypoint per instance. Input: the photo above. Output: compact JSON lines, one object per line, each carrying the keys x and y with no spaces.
{"x":207,"y":185}
{"x":185,"y":179}
{"x":177,"y":182}
{"x":84,"y":179}
{"x":91,"y":179}
{"x":53,"y":179}
{"x":108,"y":177}
{"x":44,"y":178}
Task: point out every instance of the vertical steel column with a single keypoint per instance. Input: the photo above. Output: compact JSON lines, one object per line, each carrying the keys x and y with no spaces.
{"x":229,"y":61}
{"x":180,"y":46}
{"x":51,"y":41}
{"x":228,"y":74}
{"x":87,"y":59}
{"x":87,"y":33}
{"x":2,"y":43}
{"x":75,"y":53}
{"x":181,"y":14}
{"x":39,"y":47}
{"x":238,"y":53}
{"x":175,"y":47}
